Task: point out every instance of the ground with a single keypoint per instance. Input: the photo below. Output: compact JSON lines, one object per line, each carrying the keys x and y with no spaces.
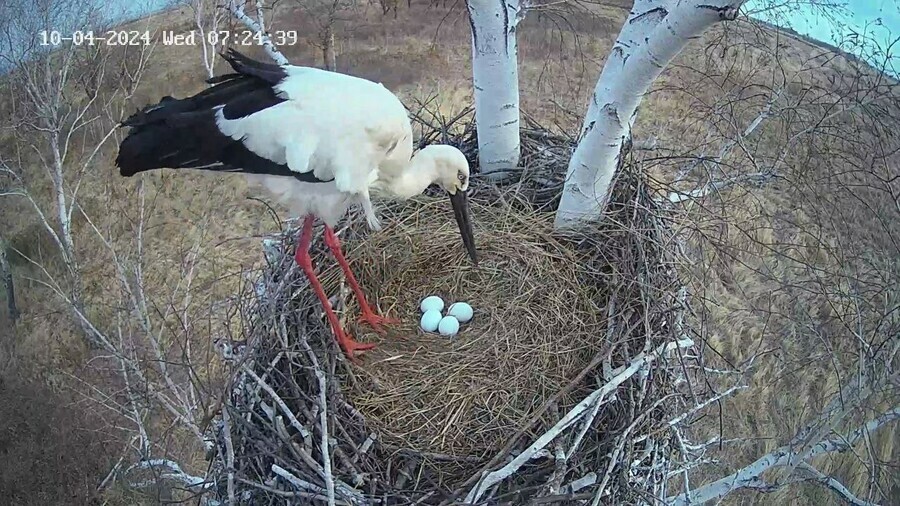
{"x":423,"y":52}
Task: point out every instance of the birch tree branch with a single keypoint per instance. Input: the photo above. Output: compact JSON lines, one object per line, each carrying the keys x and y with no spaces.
{"x":236,"y":7}
{"x":834,"y":485}
{"x":175,"y":473}
{"x":750,"y":476}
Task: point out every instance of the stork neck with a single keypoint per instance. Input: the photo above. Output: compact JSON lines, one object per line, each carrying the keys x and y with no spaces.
{"x":420,"y":173}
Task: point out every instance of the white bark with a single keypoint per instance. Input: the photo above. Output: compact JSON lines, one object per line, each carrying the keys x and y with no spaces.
{"x":496,"y":83}
{"x":257,"y":26}
{"x":654,"y":33}
{"x":174,"y":473}
{"x":207,"y":18}
{"x":786,"y":456}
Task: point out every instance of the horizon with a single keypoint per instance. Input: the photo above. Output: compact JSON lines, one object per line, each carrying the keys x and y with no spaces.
{"x":876,"y":23}
{"x":864,"y":28}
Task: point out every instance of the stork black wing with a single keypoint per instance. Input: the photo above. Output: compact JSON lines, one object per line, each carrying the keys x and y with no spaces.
{"x":182,"y":133}
{"x":242,"y":64}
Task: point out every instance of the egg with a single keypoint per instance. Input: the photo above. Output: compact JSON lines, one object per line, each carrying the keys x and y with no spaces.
{"x":461,"y":311}
{"x":448,"y":326}
{"x":430,"y":320}
{"x":432,"y":302}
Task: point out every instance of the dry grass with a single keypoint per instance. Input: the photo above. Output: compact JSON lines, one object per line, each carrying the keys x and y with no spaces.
{"x":537,"y":323}
{"x":52,"y":457}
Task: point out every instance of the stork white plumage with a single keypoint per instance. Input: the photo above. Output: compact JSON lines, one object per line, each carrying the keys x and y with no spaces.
{"x":320,"y":141}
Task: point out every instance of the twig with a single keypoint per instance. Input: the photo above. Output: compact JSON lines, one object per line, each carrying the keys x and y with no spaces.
{"x":570,"y":418}
{"x":281,"y":405}
{"x":229,"y":454}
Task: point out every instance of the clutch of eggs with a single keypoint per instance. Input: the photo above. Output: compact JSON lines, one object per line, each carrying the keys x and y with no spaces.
{"x":432,"y":319}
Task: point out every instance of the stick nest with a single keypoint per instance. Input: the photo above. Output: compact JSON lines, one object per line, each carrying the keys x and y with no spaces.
{"x":426,"y":418}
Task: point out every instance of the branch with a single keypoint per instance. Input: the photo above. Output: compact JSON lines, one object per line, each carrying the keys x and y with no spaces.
{"x":597,"y":396}
{"x":323,"y":422}
{"x":281,"y":405}
{"x":750,"y":476}
{"x":833,"y":484}
{"x":176,"y":474}
{"x":758,"y":178}
{"x":229,"y":453}
{"x":236,"y":7}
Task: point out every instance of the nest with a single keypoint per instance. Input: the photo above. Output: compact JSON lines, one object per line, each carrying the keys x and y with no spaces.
{"x":506,"y":412}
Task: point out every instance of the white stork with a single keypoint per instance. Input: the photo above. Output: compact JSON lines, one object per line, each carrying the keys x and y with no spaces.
{"x":321,"y":141}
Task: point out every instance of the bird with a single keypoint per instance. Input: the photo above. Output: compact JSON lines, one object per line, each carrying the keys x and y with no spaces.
{"x":319,"y":141}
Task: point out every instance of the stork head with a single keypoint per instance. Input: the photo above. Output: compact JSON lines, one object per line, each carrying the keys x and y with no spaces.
{"x":452,"y":174}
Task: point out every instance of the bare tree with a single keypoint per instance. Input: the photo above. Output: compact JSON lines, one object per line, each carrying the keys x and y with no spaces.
{"x":208,"y":18}
{"x":50,"y":116}
{"x":329,"y":17}
{"x":654,"y":33}
{"x":146,"y":376}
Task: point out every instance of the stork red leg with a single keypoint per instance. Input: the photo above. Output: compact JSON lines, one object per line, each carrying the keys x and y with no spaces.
{"x":368,"y":315}
{"x":303,"y":259}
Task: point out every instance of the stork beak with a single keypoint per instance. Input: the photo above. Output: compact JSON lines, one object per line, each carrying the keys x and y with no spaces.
{"x":461,"y":211}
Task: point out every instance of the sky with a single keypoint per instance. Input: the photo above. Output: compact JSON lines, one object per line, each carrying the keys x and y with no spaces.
{"x":878,"y":20}
{"x":857,"y":15}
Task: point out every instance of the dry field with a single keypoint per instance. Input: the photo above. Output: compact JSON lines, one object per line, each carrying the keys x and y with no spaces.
{"x":776,"y":261}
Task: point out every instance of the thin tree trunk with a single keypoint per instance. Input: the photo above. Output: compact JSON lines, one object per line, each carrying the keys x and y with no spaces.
{"x":65,"y":225}
{"x":653,"y":35}
{"x":6,"y":275}
{"x":496,"y":81}
{"x":328,"y":49}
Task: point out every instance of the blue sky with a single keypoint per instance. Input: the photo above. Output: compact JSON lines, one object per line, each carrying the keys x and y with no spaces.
{"x":857,"y":15}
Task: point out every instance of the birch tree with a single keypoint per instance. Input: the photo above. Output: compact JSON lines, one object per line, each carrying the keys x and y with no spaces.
{"x":257,"y":25}
{"x":208,"y":18}
{"x":653,"y":34}
{"x":49,"y":118}
{"x":496,"y":83}
{"x":65,"y":103}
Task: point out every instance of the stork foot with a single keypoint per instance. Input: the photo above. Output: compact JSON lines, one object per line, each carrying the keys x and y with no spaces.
{"x":351,"y":346}
{"x":375,"y":321}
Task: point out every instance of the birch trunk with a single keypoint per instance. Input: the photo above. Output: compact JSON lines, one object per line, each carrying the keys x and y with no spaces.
{"x":654,"y":33}
{"x":257,"y":26}
{"x":207,"y":17}
{"x":496,"y":82}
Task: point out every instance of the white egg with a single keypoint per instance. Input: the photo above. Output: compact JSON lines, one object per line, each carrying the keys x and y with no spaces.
{"x":430,"y":320}
{"x":432,"y":302}
{"x":448,"y":326}
{"x":461,"y":311}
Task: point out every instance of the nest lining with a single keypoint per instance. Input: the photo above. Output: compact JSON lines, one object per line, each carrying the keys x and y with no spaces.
{"x":539,"y":319}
